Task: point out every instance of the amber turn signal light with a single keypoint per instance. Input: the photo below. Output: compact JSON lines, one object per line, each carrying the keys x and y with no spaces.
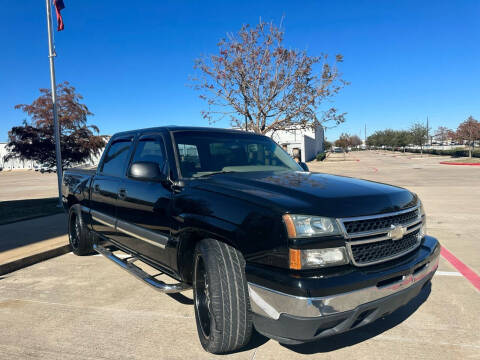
{"x":287,"y":219}
{"x":295,"y":261}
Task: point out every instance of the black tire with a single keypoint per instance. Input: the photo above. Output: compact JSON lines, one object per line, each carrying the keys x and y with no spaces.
{"x":222,"y":306}
{"x":78,"y":233}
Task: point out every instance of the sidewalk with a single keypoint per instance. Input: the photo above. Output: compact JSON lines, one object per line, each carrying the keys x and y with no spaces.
{"x":25,"y":243}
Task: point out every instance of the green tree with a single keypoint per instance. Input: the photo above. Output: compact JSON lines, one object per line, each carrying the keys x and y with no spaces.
{"x":418,"y":133}
{"x":34,"y":140}
{"x":374,"y":139}
{"x":327,"y":145}
{"x":382,"y":138}
{"x":403,"y":138}
{"x":355,"y":141}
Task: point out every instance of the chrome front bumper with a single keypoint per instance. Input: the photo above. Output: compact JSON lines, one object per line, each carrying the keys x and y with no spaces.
{"x":271,"y":304}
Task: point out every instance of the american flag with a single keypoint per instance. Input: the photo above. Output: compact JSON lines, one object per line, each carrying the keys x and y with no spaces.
{"x":59,"y":5}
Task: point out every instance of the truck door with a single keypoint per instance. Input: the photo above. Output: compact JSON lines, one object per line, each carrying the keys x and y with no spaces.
{"x":106,"y":185}
{"x":143,"y":207}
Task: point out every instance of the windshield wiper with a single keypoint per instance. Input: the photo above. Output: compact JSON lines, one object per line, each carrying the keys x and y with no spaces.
{"x":216,"y":173}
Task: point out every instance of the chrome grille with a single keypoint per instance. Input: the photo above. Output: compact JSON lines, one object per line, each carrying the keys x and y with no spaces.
{"x":370,"y":239}
{"x":380,"y":223}
{"x":372,"y":252}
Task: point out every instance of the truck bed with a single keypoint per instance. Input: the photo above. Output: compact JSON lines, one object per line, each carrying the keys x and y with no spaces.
{"x":82,"y":170}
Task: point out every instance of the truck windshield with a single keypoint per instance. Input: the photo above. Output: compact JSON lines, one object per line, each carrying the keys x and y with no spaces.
{"x":202,"y":153}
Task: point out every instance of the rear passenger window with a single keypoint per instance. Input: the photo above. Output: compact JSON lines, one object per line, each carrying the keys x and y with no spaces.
{"x":151,"y":149}
{"x":116,"y":159}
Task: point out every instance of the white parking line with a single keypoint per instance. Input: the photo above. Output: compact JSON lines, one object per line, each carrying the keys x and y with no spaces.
{"x":448,"y":273}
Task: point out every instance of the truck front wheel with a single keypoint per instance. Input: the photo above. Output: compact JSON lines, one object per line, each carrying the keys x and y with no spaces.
{"x":78,"y":234}
{"x":222,"y":308}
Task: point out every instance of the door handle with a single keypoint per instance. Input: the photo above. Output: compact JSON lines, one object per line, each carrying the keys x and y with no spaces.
{"x":96,"y":188}
{"x":122,"y":193}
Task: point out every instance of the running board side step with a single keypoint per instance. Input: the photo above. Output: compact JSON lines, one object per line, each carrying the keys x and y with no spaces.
{"x":127,"y":264}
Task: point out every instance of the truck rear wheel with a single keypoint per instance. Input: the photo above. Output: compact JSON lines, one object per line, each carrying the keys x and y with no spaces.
{"x":78,"y":234}
{"x":222,"y":308}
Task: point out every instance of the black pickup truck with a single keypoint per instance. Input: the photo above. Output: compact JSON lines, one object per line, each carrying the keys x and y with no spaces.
{"x":262,"y":241}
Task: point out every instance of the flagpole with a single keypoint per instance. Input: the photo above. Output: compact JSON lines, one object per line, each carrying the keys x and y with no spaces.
{"x":51,"y":56}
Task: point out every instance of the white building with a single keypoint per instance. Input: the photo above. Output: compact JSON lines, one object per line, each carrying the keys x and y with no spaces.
{"x":13,"y":164}
{"x":16,"y":163}
{"x":305,"y":142}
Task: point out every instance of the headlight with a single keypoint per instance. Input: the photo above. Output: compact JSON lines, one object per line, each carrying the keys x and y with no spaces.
{"x":421,"y":211}
{"x":315,"y":258}
{"x":299,"y":226}
{"x":423,"y":229}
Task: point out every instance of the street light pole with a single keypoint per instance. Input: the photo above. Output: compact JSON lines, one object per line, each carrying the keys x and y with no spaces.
{"x":51,"y":56}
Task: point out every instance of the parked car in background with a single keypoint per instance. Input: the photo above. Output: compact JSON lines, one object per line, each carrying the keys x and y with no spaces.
{"x":47,"y":169}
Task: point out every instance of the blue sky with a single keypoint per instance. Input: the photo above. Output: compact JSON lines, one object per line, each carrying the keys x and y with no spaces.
{"x":406,"y":60}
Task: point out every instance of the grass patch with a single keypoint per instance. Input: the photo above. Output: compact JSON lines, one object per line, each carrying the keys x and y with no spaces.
{"x":18,"y":210}
{"x":464,"y":160}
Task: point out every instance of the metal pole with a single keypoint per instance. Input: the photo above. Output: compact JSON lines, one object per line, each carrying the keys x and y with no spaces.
{"x":427,"y":130}
{"x":51,"y":56}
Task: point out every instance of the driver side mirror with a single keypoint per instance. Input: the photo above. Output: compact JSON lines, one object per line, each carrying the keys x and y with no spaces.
{"x":304,"y":166}
{"x":146,"y":171}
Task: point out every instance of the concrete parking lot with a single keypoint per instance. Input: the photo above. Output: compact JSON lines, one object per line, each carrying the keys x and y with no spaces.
{"x":450,"y":194}
{"x":27,"y":184}
{"x":87,"y":308}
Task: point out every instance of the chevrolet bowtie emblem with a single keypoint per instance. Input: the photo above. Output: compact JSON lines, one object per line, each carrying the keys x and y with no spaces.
{"x":396,"y":232}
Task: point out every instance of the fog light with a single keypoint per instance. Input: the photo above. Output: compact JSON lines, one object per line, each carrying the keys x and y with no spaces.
{"x":317,"y":258}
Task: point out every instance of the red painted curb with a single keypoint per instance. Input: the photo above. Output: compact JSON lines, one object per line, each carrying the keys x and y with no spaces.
{"x":455,"y":163}
{"x":467,"y":272}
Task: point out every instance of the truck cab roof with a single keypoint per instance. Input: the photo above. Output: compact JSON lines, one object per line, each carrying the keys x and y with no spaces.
{"x":172,"y":128}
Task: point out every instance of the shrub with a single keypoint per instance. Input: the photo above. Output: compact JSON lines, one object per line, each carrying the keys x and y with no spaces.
{"x":321,"y":156}
{"x":460,"y":153}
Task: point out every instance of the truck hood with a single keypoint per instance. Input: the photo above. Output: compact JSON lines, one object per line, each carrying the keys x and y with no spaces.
{"x":311,"y":193}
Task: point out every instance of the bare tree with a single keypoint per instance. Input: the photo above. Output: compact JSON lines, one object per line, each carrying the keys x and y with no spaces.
{"x":344,"y":141}
{"x":469,"y":132}
{"x":443,"y":133}
{"x":260,"y":85}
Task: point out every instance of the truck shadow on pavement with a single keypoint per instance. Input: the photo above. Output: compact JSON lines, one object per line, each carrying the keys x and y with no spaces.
{"x":182,"y":299}
{"x":365,"y":332}
{"x":22,"y":233}
{"x":20,"y":210}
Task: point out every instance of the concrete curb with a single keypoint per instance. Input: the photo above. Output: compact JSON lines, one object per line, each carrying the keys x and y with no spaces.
{"x":33,"y":259}
{"x":457,"y":163}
